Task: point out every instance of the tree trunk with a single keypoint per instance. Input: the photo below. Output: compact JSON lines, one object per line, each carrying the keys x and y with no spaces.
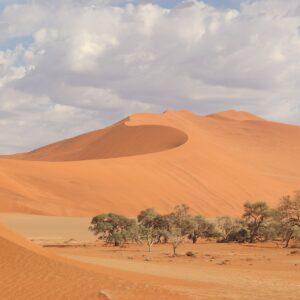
{"x":174,"y":250}
{"x":289,"y":236}
{"x":195,"y":239}
{"x":149,"y":246}
{"x":253,"y":234}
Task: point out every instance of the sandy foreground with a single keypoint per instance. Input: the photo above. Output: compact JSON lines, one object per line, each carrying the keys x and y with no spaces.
{"x":28,"y":271}
{"x":219,"y":271}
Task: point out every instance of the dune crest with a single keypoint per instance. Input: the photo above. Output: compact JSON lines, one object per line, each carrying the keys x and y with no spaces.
{"x":119,"y":140}
{"x":236,"y":116}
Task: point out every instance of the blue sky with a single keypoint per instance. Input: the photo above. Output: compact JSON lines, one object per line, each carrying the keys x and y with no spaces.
{"x":216,"y":3}
{"x":3,"y":3}
{"x":164,"y":3}
{"x":225,"y":3}
{"x":12,"y":43}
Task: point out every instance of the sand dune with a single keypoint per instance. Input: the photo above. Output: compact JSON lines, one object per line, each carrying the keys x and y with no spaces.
{"x":116,"y":141}
{"x":236,"y":116}
{"x":213,"y":163}
{"x":30,"y":272}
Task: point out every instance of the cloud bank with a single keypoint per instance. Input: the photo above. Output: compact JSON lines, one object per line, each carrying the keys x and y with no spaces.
{"x":70,"y":66}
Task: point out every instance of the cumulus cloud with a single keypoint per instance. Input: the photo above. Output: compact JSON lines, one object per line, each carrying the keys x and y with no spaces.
{"x":70,"y":66}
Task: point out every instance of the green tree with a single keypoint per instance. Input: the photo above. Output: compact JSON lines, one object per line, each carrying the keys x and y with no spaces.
{"x":289,"y":217}
{"x":147,"y":216}
{"x":114,"y":228}
{"x":256,"y":216}
{"x":180,"y":226}
{"x":231,"y":229}
{"x":162,"y":225}
{"x":148,"y":226}
{"x":202,"y":229}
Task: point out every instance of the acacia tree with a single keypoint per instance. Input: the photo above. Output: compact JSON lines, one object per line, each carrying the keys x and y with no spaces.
{"x":202,"y":228}
{"x":256,"y":216}
{"x":148,"y":228}
{"x":180,"y":226}
{"x":162,"y":226}
{"x":113,"y":228}
{"x":289,"y":216}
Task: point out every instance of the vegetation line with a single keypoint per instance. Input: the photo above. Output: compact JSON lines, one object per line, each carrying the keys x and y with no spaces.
{"x":258,"y":223}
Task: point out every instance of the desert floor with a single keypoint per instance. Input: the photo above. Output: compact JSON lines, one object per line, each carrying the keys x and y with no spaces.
{"x":219,"y":271}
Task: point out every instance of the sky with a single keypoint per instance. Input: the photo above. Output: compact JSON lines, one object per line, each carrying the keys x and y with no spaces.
{"x":70,"y":66}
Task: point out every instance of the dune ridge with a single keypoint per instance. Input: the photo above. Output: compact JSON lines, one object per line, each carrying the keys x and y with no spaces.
{"x":115,"y":141}
{"x":235,"y":115}
{"x":215,"y":166}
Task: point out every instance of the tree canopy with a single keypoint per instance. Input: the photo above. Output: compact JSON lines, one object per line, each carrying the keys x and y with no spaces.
{"x":258,"y":222}
{"x":114,"y":228}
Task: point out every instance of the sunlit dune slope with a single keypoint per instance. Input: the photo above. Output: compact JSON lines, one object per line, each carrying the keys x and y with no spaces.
{"x":213,"y":163}
{"x":29,"y":272}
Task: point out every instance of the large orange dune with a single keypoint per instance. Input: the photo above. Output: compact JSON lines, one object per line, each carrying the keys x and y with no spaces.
{"x":212,"y":163}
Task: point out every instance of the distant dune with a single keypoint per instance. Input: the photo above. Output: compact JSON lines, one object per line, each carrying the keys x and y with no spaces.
{"x":213,"y":163}
{"x":236,"y":116}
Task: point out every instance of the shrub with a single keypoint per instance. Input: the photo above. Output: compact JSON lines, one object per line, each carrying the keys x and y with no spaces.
{"x":231,"y":230}
{"x":190,"y":254}
{"x":240,"y":236}
{"x":202,"y":229}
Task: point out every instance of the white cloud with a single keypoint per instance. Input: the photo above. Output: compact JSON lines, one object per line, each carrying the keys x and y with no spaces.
{"x":87,"y":63}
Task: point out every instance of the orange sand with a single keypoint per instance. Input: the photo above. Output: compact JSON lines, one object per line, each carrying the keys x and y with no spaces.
{"x":219,"y":271}
{"x":30,"y":272}
{"x":214,"y":164}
